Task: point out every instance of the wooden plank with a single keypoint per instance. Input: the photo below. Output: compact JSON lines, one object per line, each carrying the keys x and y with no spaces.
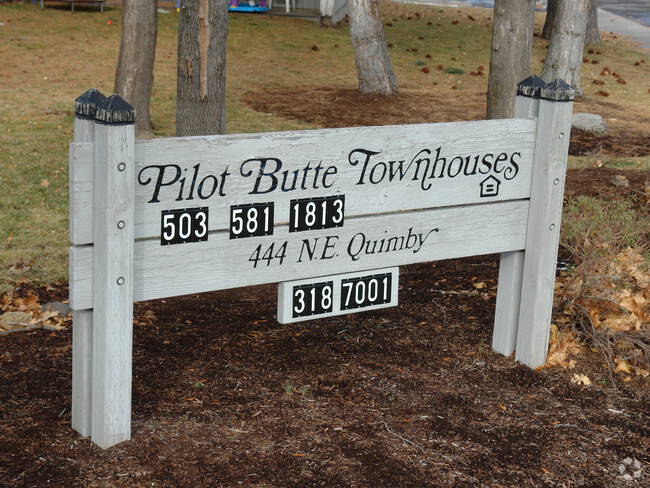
{"x":82,"y":170}
{"x":81,"y":183}
{"x":538,"y":281}
{"x":222,"y":263}
{"x":113,"y":272}
{"x":511,"y":266}
{"x":378,"y":169}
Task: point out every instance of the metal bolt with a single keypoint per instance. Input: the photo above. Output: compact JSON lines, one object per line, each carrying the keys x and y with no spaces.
{"x":121,"y":166}
{"x":556,"y":181}
{"x":121,"y":224}
{"x":120,"y":281}
{"x":552,"y":227}
{"x":561,"y":135}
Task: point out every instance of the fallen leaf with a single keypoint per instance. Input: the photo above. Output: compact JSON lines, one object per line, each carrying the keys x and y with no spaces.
{"x":581,"y":379}
{"x":623,"y":366}
{"x":13,"y":320}
{"x":45,"y":183}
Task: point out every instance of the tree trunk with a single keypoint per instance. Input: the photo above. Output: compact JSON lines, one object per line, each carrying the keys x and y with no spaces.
{"x":134,"y":75}
{"x":201,"y":69}
{"x":510,"y":59}
{"x":593,"y":36}
{"x":374,"y":68}
{"x":564,"y":57}
{"x":551,"y":8}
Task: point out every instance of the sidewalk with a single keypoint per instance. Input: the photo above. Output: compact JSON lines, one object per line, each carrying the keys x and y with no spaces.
{"x":623,"y":27}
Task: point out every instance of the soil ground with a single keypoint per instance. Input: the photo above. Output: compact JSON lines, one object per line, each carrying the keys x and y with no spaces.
{"x":410,"y":396}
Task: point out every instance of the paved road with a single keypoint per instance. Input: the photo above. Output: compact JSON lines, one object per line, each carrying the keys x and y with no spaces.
{"x":638,"y":10}
{"x":625,"y":18}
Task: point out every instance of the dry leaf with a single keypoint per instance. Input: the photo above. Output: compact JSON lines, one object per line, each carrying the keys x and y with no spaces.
{"x":581,"y":379}
{"x":45,"y":183}
{"x":622,"y":365}
{"x":13,"y":320}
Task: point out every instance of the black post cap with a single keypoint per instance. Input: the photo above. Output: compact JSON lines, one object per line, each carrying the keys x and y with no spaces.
{"x":530,"y":87}
{"x":558,"y":91}
{"x":86,"y":105}
{"x":115,"y":111}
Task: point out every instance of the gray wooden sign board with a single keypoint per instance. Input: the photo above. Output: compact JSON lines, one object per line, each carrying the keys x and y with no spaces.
{"x":309,"y":210}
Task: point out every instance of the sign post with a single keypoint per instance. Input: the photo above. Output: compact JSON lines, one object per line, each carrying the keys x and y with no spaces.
{"x":328,"y":214}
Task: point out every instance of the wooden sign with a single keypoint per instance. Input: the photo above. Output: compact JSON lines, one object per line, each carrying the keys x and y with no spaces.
{"x":321,"y":212}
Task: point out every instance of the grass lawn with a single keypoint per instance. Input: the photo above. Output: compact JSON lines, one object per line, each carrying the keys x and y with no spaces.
{"x":52,"y":56}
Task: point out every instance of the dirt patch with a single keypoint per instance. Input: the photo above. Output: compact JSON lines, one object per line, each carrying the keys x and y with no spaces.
{"x":410,"y":396}
{"x":331,"y":107}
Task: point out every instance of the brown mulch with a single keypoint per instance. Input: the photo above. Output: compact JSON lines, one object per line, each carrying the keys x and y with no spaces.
{"x":335,"y":107}
{"x":410,"y":396}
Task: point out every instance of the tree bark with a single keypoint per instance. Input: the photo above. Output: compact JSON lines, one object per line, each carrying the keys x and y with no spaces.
{"x":510,"y":59}
{"x":593,"y":36}
{"x":374,"y":68}
{"x":201,"y":68}
{"x":551,"y":8}
{"x":564,"y":57}
{"x":134,"y":75}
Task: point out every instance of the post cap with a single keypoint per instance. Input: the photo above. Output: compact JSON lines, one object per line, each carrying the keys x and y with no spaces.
{"x":557,"y":91}
{"x":115,"y":111}
{"x":86,"y":105}
{"x":530,"y":87}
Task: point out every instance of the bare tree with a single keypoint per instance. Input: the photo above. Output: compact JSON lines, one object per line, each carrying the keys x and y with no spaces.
{"x":201,"y":68}
{"x":551,"y":7}
{"x":374,"y":68}
{"x":510,"y":59}
{"x":564,"y":57}
{"x":593,"y":36}
{"x":134,"y":75}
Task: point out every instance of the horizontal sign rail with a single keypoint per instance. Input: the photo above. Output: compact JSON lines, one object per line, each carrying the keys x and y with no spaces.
{"x":364,"y":243}
{"x":378,"y":169}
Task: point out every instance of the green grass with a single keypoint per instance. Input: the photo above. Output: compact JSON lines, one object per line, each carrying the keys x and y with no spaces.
{"x":49,"y":57}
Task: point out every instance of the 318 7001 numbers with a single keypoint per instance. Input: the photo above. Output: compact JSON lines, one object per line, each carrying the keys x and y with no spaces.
{"x":366,"y":291}
{"x":313,"y":299}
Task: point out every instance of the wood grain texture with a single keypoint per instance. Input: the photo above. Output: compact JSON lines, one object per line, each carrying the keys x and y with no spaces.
{"x":328,"y":148}
{"x":112,"y":284}
{"x":511,"y":267}
{"x":547,"y":192}
{"x":221,"y":263}
{"x":81,"y":180}
{"x":81,"y":183}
